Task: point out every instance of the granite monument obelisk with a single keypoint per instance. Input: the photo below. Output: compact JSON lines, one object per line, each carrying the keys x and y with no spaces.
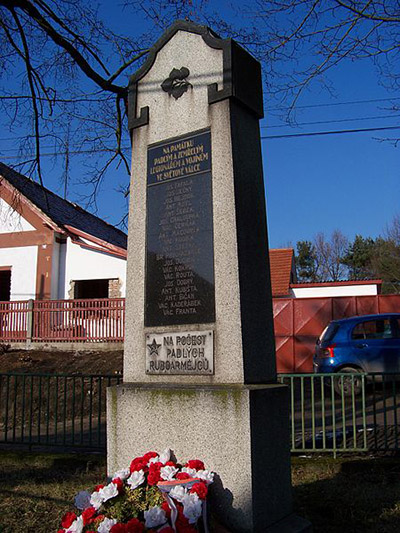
{"x":199,"y":358}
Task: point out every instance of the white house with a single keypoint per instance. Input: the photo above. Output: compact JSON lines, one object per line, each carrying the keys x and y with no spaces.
{"x":53,"y":249}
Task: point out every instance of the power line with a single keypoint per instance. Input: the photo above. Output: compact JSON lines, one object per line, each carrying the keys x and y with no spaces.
{"x":262,"y":127}
{"x":55,"y":100}
{"x":263,"y":137}
{"x":70,"y":152}
{"x":328,"y":121}
{"x":331,"y":104}
{"x":84,"y":99}
{"x":334,"y":132}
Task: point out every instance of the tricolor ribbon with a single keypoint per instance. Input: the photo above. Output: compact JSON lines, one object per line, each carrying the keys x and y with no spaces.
{"x":166,"y":486}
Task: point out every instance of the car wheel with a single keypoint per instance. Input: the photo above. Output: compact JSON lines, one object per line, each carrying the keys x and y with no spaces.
{"x":348,"y":383}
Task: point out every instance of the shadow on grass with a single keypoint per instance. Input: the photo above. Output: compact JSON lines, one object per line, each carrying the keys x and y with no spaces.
{"x":37,"y":489}
{"x":18,"y":469}
{"x":351,"y":496}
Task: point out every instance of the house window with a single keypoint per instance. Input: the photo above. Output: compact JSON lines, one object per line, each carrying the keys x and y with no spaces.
{"x":91,"y":288}
{"x":5,"y":284}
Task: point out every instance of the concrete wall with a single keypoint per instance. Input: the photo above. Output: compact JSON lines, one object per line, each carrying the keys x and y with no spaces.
{"x":84,"y":264}
{"x":11,"y":221}
{"x":332,"y":291}
{"x":23,"y":262}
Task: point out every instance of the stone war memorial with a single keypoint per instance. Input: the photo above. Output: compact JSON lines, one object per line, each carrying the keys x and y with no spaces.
{"x":199,"y":358}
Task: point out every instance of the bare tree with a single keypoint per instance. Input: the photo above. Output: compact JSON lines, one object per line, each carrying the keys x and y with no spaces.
{"x":329,"y":254}
{"x":300,"y":41}
{"x":73,"y":73}
{"x":67,"y":73}
{"x":392,"y":231}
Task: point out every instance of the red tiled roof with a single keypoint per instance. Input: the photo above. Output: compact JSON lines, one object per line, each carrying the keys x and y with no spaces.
{"x":281,"y":267}
{"x":307,"y":284}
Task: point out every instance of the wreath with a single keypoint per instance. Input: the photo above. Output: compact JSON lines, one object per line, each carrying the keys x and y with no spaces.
{"x":154,"y":494}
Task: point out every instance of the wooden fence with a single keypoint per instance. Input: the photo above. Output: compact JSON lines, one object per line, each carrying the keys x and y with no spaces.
{"x":99,"y":320}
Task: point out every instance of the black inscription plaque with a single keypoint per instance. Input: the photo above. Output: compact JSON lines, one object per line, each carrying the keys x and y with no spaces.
{"x":180,"y":252}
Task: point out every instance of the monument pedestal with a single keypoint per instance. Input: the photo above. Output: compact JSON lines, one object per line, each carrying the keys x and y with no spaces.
{"x":199,"y":357}
{"x":238,"y":429}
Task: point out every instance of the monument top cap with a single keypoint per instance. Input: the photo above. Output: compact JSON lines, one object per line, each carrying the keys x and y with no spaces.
{"x":247,"y":90}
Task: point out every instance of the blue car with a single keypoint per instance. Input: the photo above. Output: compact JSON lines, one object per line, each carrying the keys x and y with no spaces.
{"x":368,"y":343}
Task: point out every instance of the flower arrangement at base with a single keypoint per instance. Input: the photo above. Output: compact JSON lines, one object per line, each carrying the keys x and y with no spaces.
{"x":154,"y":494}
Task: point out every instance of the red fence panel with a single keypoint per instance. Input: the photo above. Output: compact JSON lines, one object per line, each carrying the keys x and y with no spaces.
{"x":99,"y":320}
{"x":389,"y":303}
{"x":13,"y":321}
{"x":344,"y":307}
{"x":283,"y":324}
{"x":296,"y":331}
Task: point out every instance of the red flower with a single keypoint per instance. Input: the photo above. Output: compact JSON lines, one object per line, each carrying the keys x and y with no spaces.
{"x":88,"y":515}
{"x":154,"y":473}
{"x":182,"y":476}
{"x":120,"y":484}
{"x":182,"y":523}
{"x":196,"y":464}
{"x":185,"y":529}
{"x":170,"y":463}
{"x":166,"y":529}
{"x":166,"y":508}
{"x":200,"y":489}
{"x":118,"y":528}
{"x":67,"y":519}
{"x":149,"y":455}
{"x":134,"y":526}
{"x":137,"y":464}
{"x":98,"y":487}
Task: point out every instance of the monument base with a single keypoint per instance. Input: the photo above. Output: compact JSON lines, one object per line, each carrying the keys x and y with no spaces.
{"x":240,"y":431}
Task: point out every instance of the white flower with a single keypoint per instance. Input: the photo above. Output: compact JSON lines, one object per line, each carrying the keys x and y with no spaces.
{"x":96,"y":499}
{"x":106,"y":525}
{"x":191,"y":471}
{"x":192,"y":507}
{"x":205,"y":475}
{"x":136,"y":479}
{"x":178,"y":493}
{"x":82,"y":500}
{"x":109,"y":491}
{"x":154,"y":517}
{"x":122,"y":474}
{"x":76,"y":526}
{"x":165,"y":456}
{"x":168,"y":472}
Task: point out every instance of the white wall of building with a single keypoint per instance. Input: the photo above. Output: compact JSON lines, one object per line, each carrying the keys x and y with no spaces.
{"x":23,"y":262}
{"x":11,"y":221}
{"x":332,"y":291}
{"x":84,"y":264}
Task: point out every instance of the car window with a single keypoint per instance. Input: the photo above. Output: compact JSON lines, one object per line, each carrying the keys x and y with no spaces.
{"x":372,"y":329}
{"x":396,"y":324}
{"x":329,"y":332}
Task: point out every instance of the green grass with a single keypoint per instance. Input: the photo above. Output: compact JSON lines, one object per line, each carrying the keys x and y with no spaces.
{"x":349,"y":494}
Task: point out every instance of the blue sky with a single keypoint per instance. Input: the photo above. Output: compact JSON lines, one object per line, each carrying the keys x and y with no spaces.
{"x":349,"y":182}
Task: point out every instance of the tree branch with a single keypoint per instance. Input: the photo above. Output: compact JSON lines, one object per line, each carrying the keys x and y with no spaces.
{"x":28,"y":8}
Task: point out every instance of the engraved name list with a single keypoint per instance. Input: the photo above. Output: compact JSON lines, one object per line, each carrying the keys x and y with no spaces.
{"x":180,"y":262}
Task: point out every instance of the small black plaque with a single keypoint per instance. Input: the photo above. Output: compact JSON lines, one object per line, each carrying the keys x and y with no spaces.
{"x":180,"y":253}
